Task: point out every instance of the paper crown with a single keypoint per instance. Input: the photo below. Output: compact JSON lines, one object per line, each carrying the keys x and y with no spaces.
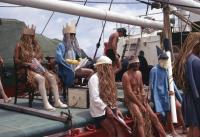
{"x":29,"y":31}
{"x":69,"y":28}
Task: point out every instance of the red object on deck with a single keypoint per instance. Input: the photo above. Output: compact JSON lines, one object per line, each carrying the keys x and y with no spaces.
{"x":95,"y":132}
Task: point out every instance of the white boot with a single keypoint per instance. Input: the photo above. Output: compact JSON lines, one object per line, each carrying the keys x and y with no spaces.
{"x":54,"y":89}
{"x":41,"y":86}
{"x":59,"y":104}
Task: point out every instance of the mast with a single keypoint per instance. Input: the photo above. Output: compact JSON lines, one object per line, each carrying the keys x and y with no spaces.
{"x":90,"y":12}
{"x":169,"y":50}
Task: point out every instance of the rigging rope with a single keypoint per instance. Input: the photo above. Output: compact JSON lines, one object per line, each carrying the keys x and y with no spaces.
{"x":80,"y":16}
{"x":102,"y":2}
{"x":98,"y":44}
{"x":47,"y":22}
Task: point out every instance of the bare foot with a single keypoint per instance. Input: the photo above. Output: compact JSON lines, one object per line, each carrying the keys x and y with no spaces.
{"x":8,"y":100}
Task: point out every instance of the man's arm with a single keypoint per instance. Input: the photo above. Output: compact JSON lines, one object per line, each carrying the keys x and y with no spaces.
{"x":141,"y":83}
{"x":128,"y":90}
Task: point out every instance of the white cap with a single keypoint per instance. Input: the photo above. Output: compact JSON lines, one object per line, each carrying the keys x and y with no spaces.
{"x":103,"y":60}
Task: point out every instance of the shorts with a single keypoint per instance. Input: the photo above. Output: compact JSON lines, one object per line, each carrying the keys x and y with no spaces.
{"x":100,"y":119}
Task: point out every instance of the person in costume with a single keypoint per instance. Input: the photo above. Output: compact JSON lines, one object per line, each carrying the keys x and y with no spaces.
{"x":103,"y":97}
{"x":136,"y":101}
{"x":2,"y":92}
{"x":187,"y":76}
{"x":28,"y":53}
{"x":68,"y":56}
{"x":160,"y":95}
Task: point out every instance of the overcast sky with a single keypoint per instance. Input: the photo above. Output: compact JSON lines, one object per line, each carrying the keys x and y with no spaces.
{"x":88,"y":30}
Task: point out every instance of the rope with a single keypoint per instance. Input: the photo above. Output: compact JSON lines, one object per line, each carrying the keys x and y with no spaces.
{"x":98,"y":44}
{"x":47,"y":22}
{"x":102,"y":2}
{"x":80,"y":16}
{"x":187,"y":21}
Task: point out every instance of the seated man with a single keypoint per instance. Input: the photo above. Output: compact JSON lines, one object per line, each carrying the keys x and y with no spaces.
{"x":2,"y":93}
{"x":28,"y":53}
{"x":67,"y":54}
{"x":136,"y":102}
{"x":103,"y":98}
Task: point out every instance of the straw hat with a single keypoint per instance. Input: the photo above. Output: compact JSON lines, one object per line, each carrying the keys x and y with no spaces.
{"x":103,"y":60}
{"x":134,"y":59}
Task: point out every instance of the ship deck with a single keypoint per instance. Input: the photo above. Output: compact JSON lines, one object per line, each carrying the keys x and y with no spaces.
{"x":16,"y":124}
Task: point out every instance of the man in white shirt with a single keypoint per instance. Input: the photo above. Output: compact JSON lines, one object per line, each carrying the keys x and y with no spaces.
{"x":103,"y":98}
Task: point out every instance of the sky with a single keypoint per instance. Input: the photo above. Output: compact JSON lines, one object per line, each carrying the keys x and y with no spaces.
{"x":88,"y":30}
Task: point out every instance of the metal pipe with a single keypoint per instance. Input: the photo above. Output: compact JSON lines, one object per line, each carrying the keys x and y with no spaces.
{"x":90,"y":12}
{"x":184,"y":4}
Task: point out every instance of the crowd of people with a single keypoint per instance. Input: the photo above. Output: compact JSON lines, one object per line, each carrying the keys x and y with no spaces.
{"x":101,"y":83}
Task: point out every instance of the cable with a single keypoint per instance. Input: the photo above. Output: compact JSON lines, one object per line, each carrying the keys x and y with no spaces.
{"x":144,"y":2}
{"x":147,"y":8}
{"x":47,"y":22}
{"x":102,"y":2}
{"x":98,"y":44}
{"x":80,"y":16}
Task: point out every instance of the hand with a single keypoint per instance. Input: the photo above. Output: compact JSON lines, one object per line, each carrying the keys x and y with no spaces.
{"x":109,"y":112}
{"x":119,"y":113}
{"x":143,"y":108}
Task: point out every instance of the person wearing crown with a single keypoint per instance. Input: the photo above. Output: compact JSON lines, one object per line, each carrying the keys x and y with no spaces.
{"x":136,"y":101}
{"x":28,"y":53}
{"x":2,"y":93}
{"x":67,"y":55}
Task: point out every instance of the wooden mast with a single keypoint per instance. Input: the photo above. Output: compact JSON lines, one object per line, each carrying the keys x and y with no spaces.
{"x":167,"y":34}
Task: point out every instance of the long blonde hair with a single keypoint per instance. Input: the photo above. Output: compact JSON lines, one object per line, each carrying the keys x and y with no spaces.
{"x":192,"y":40}
{"x":27,"y":46}
{"x":107,"y":84}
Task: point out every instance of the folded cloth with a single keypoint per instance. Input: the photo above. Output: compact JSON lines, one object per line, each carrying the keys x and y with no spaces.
{"x":39,"y":69}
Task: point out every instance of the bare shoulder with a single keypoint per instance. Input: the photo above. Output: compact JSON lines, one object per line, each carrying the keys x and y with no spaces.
{"x":125,"y":76}
{"x":139,"y":72}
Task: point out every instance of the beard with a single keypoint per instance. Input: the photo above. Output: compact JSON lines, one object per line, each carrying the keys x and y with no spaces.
{"x":163,"y":64}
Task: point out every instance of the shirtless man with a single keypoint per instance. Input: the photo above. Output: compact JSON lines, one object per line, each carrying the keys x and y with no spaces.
{"x":135,"y":98}
{"x":113,"y":39}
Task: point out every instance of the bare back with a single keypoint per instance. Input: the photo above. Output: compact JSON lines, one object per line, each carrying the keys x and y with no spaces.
{"x":113,"y":39}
